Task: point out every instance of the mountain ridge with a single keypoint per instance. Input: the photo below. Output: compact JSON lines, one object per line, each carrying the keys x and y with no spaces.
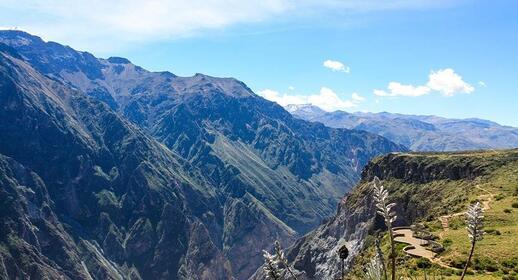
{"x":418,"y":132}
{"x":139,"y":161}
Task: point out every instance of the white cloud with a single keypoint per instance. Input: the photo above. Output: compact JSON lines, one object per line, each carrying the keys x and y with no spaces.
{"x":356,"y":97}
{"x":326,"y":99}
{"x":444,"y":81}
{"x":482,"y":84}
{"x":397,"y":89}
{"x":448,"y":82}
{"x":291,"y":88}
{"x":95,"y":24}
{"x":336,"y":66}
{"x":282,"y":99}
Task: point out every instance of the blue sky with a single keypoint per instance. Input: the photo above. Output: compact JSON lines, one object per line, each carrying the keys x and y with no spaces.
{"x":448,"y":58}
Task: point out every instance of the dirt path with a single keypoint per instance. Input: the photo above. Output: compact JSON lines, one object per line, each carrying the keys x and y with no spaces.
{"x":486,"y":199}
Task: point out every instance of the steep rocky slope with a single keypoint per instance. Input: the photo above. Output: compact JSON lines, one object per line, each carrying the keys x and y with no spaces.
{"x":118,"y":195}
{"x":155,"y":176}
{"x":419,"y":133}
{"x":424,"y":186}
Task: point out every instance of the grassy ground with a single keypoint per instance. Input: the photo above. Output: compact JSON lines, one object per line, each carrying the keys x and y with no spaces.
{"x":497,"y":253}
{"x":496,"y":256}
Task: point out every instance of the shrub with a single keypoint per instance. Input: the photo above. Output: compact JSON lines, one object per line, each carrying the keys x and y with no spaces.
{"x":515,"y":205}
{"x":493,"y":232}
{"x":435,"y":247}
{"x":423,"y":263}
{"x":508,"y":210}
{"x":511,"y":263}
{"x":447,"y":242}
{"x":499,"y":197}
{"x":448,"y":272}
{"x":458,"y":264}
{"x":486,"y":264}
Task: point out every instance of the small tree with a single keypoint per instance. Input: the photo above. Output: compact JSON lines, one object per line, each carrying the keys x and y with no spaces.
{"x":474,"y":221}
{"x":343,"y":253}
{"x":385,"y":210}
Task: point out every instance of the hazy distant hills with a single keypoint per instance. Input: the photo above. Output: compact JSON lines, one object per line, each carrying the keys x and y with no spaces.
{"x":110,"y":171}
{"x":419,"y":133}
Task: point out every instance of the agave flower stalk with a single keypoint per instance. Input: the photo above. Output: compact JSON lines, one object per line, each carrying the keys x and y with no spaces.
{"x":271,"y":266}
{"x":385,"y":210}
{"x":375,"y":270}
{"x":281,"y":258}
{"x":475,"y":224}
{"x":381,"y":259}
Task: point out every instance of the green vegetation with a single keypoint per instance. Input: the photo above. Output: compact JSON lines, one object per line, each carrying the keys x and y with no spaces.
{"x":491,"y":180}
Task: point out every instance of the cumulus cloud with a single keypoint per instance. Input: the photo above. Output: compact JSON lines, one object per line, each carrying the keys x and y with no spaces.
{"x":336,"y":66}
{"x":282,"y":99}
{"x":482,"y":84}
{"x":326,"y":99}
{"x":397,"y":89}
{"x":111,"y":23}
{"x":448,"y":82}
{"x":444,"y":81}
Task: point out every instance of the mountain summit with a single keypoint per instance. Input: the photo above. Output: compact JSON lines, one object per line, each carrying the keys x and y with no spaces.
{"x":110,"y":171}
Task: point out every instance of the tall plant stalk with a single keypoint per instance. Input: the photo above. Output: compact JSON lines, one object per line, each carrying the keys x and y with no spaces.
{"x":381,"y":259}
{"x":282,"y":258}
{"x":271,"y":266}
{"x":474,"y":221}
{"x":384,"y":208}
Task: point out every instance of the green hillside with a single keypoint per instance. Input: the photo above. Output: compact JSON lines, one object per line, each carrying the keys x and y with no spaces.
{"x":434,"y":189}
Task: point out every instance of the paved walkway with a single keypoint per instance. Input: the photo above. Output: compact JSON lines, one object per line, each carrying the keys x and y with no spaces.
{"x":416,"y":245}
{"x":418,"y":250}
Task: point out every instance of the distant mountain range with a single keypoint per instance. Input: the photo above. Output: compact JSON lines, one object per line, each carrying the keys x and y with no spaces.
{"x":419,"y":133}
{"x":109,"y":171}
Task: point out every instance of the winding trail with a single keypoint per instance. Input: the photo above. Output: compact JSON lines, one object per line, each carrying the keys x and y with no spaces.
{"x":416,"y":247}
{"x":486,"y":199}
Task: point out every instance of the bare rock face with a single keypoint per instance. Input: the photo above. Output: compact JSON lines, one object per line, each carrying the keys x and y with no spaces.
{"x":315,"y":255}
{"x":154,"y":176}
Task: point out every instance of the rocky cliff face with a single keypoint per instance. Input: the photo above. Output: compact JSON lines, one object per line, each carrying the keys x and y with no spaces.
{"x":117,"y":194}
{"x":423,"y":186}
{"x":155,"y":176}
